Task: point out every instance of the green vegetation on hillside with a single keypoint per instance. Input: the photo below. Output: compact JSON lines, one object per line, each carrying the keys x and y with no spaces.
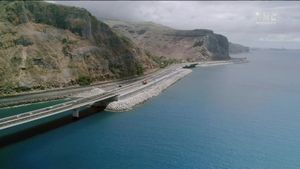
{"x":84,"y":80}
{"x":46,"y":45}
{"x":162,"y":61}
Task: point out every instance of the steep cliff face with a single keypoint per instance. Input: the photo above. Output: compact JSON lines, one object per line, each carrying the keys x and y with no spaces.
{"x":46,"y":45}
{"x":187,"y":45}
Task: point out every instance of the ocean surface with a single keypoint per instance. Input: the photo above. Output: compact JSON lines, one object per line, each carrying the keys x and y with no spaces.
{"x":241,"y":116}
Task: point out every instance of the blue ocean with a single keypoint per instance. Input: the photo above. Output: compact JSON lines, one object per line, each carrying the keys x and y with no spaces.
{"x":239,"y":116}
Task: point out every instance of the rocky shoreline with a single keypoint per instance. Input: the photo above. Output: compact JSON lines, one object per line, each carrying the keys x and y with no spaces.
{"x":123,"y":104}
{"x":127,"y":103}
{"x":222,"y":62}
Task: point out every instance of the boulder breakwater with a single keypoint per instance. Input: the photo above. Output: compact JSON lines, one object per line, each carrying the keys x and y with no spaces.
{"x":126,"y":103}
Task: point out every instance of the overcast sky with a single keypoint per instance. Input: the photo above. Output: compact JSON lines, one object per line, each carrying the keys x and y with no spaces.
{"x":255,"y":24}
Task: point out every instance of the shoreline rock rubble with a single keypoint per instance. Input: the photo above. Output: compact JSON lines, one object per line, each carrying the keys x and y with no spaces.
{"x":128,"y":103}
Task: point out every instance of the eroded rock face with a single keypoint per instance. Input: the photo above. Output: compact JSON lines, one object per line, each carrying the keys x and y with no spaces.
{"x":187,"y":45}
{"x":40,"y":42}
{"x":215,"y":45}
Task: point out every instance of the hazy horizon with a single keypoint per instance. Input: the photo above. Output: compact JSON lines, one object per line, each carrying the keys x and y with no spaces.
{"x":254,"y":24}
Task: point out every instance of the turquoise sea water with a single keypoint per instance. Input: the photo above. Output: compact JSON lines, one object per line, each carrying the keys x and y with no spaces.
{"x":243,"y":116}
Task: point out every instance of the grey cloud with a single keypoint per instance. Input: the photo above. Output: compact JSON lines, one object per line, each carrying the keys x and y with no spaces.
{"x":236,"y":20}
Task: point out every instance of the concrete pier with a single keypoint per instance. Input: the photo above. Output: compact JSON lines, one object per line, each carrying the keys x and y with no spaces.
{"x":75,"y":113}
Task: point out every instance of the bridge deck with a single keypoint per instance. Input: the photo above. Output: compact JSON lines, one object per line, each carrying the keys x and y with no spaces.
{"x":82,"y":102}
{"x":52,"y":110}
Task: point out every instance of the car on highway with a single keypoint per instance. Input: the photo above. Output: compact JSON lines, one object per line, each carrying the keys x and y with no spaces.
{"x":145,"y":82}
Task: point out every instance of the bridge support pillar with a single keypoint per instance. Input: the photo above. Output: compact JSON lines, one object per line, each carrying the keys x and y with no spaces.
{"x":116,"y":98}
{"x":75,"y":113}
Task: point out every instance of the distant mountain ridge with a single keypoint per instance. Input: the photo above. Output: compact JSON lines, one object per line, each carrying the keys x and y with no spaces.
{"x":237,"y":48}
{"x":163,"y":41}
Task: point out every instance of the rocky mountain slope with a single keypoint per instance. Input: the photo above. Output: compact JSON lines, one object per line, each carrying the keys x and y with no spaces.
{"x":186,"y":45}
{"x":237,"y":48}
{"x":46,"y":45}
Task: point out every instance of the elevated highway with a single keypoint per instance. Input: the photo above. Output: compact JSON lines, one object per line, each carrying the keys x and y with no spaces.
{"x":74,"y":106}
{"x":82,"y":103}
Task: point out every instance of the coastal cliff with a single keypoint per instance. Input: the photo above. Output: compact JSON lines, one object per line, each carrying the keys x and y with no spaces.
{"x":237,"y":48}
{"x":183,"y":45}
{"x":45,"y":45}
